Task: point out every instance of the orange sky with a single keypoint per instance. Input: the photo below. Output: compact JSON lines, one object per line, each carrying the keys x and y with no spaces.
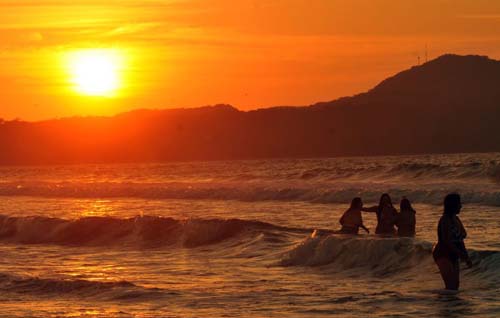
{"x":248,"y":53}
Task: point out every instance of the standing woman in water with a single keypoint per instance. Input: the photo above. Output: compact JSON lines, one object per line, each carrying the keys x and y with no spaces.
{"x":450,"y":247}
{"x":386,"y":215}
{"x":406,"y":219}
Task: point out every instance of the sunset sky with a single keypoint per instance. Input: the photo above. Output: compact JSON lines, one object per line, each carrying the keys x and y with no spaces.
{"x":62,"y":58}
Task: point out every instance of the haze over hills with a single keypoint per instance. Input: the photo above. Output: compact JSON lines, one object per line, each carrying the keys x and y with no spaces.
{"x":450,"y":104}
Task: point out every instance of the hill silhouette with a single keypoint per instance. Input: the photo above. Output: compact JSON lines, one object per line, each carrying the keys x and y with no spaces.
{"x":450,"y":104}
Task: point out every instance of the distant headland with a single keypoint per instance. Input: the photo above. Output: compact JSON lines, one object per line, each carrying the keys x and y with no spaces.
{"x":449,"y":104}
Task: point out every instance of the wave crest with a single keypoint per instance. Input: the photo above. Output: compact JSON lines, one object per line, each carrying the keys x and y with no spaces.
{"x":379,"y":256}
{"x":382,"y":255}
{"x":336,"y":193}
{"x":117,"y":290}
{"x":147,"y":231}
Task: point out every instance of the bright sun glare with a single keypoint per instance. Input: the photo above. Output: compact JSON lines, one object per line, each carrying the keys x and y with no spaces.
{"x":95,"y":72}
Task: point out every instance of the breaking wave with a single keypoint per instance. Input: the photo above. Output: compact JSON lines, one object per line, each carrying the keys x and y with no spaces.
{"x":424,"y":179}
{"x":373,"y":254}
{"x":341,"y":254}
{"x":146,"y":231}
{"x":102,"y":290}
{"x":412,"y":169}
{"x":380,"y":256}
{"x":350,"y":252}
{"x":315,"y":193}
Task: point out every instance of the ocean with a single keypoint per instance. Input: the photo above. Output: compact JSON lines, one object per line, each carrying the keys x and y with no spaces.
{"x":233,"y":239}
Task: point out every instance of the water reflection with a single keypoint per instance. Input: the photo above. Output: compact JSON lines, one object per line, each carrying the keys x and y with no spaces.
{"x":96,"y":208}
{"x":453,"y":305}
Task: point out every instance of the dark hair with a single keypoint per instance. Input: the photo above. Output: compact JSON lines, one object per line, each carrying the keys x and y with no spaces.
{"x":452,"y":204}
{"x":379,"y":209}
{"x":356,"y":202}
{"x":385,"y":195}
{"x":405,"y":204}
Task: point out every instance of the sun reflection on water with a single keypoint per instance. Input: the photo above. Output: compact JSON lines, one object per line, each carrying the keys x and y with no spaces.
{"x":96,"y":208}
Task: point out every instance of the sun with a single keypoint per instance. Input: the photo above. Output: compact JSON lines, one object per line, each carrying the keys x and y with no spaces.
{"x":95,"y":72}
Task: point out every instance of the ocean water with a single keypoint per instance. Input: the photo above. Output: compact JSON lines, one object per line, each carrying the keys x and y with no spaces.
{"x":233,"y":239}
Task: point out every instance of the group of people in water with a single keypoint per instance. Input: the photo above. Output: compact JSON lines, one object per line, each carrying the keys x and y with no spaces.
{"x":448,"y":251}
{"x":388,"y":218}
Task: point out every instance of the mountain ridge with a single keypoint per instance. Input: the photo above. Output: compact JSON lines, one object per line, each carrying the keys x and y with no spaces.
{"x":450,"y":104}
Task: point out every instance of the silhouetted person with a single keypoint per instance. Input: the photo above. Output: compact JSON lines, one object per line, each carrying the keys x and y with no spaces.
{"x":386,"y":215}
{"x":450,"y":247}
{"x":405,"y":220}
{"x":352,"y":220}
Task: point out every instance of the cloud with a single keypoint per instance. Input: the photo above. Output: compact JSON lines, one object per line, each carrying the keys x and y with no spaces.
{"x":133,"y":28}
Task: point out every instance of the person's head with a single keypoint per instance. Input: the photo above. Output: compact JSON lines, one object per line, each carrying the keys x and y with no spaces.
{"x":385,"y":200}
{"x":405,"y":204}
{"x":356,"y":203}
{"x":452,"y":204}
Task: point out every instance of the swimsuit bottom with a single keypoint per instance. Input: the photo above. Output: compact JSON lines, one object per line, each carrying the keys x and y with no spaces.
{"x":349,"y":230}
{"x":406,"y":231}
{"x":442,"y":252}
{"x":385,"y":230}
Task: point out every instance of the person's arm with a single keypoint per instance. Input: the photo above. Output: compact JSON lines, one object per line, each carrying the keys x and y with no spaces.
{"x":342,"y":218}
{"x":462,"y":228}
{"x":370,"y":209}
{"x":462,"y":245}
{"x":465,"y":256}
{"x":395,"y":216}
{"x":365,"y":228}
{"x":397,"y":219}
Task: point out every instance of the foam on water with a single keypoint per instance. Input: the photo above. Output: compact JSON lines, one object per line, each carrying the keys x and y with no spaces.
{"x":375,"y":255}
{"x":380,"y":256}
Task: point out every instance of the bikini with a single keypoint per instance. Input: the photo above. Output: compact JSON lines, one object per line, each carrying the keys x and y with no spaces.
{"x":458,"y":235}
